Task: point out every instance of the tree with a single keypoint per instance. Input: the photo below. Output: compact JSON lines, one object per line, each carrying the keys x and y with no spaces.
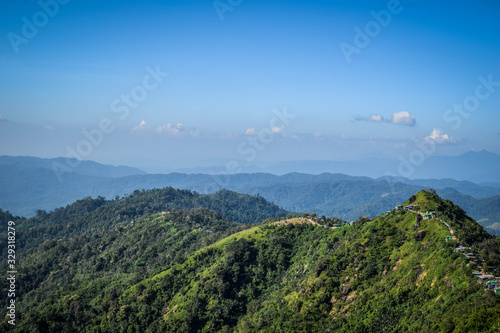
{"x":412,"y":199}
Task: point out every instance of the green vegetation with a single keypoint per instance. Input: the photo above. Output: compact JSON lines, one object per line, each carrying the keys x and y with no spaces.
{"x":99,"y":266}
{"x":167,"y":272}
{"x":90,"y":216}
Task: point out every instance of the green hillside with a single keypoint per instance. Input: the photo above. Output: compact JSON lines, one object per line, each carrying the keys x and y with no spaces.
{"x":191,"y":271}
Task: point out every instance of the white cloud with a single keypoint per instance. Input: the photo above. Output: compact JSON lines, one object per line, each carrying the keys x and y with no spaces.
{"x":375,"y":118}
{"x":398,"y":118}
{"x":251,"y":131}
{"x":177,"y":130}
{"x":276,"y":129}
{"x":142,"y":126}
{"x":439,"y":137}
{"x":169,"y":129}
{"x":50,"y":128}
{"x":403,"y":118}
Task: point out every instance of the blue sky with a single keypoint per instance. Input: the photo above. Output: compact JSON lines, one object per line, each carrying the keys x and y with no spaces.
{"x":232,"y":64}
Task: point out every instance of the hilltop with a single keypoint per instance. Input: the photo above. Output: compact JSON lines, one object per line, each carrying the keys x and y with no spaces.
{"x":399,"y":271}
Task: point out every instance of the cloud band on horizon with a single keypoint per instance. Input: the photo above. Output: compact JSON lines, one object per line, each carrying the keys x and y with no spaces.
{"x":397,"y":118}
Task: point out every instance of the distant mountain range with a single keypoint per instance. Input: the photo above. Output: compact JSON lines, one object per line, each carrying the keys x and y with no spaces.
{"x":69,"y":165}
{"x":478,"y":167}
{"x":29,"y":184}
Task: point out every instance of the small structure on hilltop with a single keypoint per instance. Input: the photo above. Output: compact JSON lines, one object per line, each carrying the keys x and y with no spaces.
{"x":485,"y":277}
{"x":429,"y":215}
{"x":410,"y":207}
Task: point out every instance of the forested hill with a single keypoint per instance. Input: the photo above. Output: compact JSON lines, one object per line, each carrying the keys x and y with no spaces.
{"x":88,"y":216}
{"x":191,"y":271}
